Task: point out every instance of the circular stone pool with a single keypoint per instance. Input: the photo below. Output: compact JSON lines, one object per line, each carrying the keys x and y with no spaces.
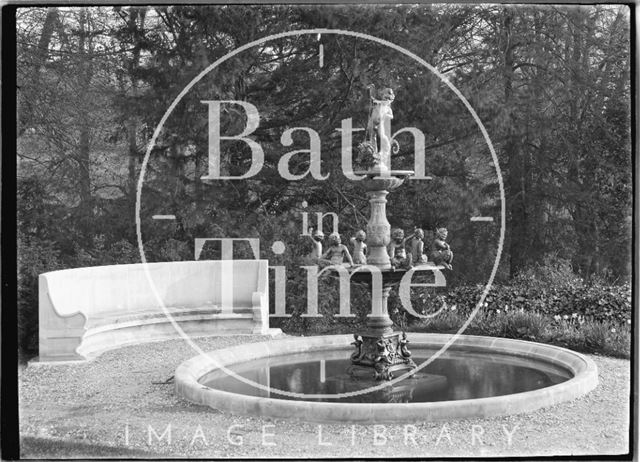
{"x":306,"y":378}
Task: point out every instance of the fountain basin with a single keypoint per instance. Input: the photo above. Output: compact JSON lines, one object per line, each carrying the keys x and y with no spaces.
{"x":192,"y":376}
{"x":380,"y":179}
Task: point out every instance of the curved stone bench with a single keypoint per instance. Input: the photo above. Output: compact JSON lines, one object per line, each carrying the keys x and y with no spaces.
{"x":84,"y":311}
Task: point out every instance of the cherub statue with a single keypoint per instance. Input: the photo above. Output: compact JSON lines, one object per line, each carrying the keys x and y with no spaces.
{"x":378,"y":142}
{"x":417,"y":247}
{"x":337,"y":252}
{"x":359,"y":248}
{"x":404,"y":346}
{"x":441,"y":253}
{"x":317,"y":237}
{"x":359,"y":353}
{"x":397,"y":253}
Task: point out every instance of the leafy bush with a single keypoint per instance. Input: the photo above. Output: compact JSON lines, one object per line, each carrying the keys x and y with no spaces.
{"x":33,"y":258}
{"x":446,"y":322}
{"x":618,"y":343}
{"x":551,"y":272}
{"x":569,"y":336}
{"x":524,"y":325}
{"x":595,"y":336}
{"x":596,"y":302}
{"x":575,"y":333}
{"x":608,"y":338}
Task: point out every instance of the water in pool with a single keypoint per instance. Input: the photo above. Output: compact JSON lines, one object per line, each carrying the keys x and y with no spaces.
{"x":453,"y":376}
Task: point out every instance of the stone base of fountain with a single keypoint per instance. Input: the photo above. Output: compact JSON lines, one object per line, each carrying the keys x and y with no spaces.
{"x":380,"y":356}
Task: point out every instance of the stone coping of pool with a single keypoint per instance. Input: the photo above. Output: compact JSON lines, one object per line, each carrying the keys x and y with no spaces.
{"x":188,"y":374}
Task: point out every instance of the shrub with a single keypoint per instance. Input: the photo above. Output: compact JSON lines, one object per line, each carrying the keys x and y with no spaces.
{"x":595,"y":336}
{"x":618,"y":343}
{"x":575,"y":333}
{"x":569,"y":336}
{"x":596,"y":302}
{"x":33,"y":258}
{"x":601,"y":337}
{"x":446,"y":322}
{"x":524,"y":325}
{"x":552,"y":272}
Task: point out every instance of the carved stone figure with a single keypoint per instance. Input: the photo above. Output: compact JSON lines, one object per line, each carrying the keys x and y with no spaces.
{"x":385,"y":355}
{"x":383,"y":361}
{"x":441,"y":253}
{"x":359,"y":248}
{"x":417,"y":247}
{"x":359,"y":353}
{"x":317,"y":237}
{"x":378,"y":143}
{"x":404,"y":349}
{"x":396,"y":249}
{"x":337,"y":252}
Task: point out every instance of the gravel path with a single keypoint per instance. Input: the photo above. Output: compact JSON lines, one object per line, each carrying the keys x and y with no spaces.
{"x":110,"y":407}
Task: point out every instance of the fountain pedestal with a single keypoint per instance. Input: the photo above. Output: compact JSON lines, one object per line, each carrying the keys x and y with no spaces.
{"x":380,"y":352}
{"x":378,"y":230}
{"x":381,"y":355}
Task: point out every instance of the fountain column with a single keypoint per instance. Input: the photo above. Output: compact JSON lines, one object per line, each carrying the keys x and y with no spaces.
{"x":378,"y":230}
{"x":380,"y":352}
{"x":380,"y":324}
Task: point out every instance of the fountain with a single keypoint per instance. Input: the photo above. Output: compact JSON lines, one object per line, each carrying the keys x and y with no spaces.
{"x":372,"y":376}
{"x":379,"y":348}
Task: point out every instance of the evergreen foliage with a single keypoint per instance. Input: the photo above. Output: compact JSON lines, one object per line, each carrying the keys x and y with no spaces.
{"x":551,"y":84}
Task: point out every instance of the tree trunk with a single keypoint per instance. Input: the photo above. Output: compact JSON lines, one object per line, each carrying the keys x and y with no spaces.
{"x":40,"y":57}
{"x":137,"y":30}
{"x":517,"y":223}
{"x":85,"y":74}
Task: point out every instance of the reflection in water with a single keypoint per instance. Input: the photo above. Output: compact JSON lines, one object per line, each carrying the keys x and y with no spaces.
{"x":453,"y":376}
{"x":294,"y":381}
